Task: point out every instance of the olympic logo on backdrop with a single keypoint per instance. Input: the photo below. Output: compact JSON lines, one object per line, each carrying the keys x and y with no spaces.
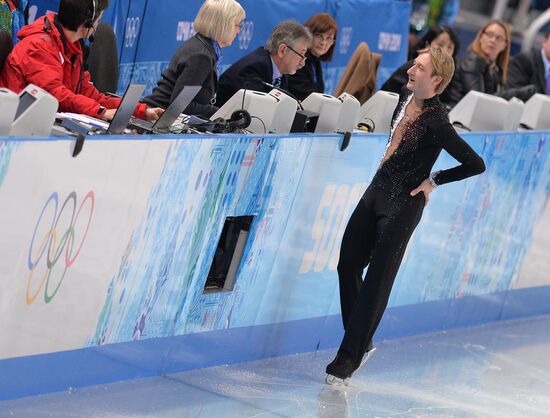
{"x":345,"y":39}
{"x":61,"y":238}
{"x":132,"y":31}
{"x":246,"y":34}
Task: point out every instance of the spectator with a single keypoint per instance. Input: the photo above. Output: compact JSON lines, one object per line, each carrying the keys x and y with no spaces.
{"x":485,"y":66}
{"x":532,"y":68}
{"x":13,"y":16}
{"x":284,"y":53}
{"x":309,"y":78}
{"x":196,"y":62}
{"x":440,"y":35}
{"x":49,"y":55}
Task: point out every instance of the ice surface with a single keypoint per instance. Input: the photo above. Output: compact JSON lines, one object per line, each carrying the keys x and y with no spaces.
{"x":498,"y":370}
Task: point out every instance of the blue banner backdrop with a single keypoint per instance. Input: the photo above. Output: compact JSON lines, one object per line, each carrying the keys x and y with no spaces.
{"x":149,"y":32}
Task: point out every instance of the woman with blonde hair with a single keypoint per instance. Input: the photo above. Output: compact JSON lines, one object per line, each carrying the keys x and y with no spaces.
{"x":485,"y":66}
{"x":195,"y":62}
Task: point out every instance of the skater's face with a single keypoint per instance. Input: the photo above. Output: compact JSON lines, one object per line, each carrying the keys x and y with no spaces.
{"x":421,"y":79}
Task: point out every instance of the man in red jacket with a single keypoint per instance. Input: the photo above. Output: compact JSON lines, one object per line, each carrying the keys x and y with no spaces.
{"x":50,"y":56}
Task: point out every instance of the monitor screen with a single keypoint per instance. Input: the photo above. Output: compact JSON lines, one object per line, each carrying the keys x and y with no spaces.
{"x":25,"y":101}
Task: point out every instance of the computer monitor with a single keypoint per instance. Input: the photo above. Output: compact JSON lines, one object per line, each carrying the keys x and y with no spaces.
{"x":9,"y":102}
{"x":261,"y":106}
{"x":328,"y":108}
{"x":171,"y":114}
{"x":378,"y":111}
{"x":126,"y":108}
{"x":536,"y":113}
{"x":35,"y":112}
{"x":480,"y":112}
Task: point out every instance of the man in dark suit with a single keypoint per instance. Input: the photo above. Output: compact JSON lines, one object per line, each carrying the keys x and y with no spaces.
{"x":284,"y":53}
{"x":532,"y":67}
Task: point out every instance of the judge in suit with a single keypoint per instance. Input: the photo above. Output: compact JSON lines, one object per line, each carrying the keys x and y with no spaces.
{"x":284,"y":53}
{"x":532,"y":67}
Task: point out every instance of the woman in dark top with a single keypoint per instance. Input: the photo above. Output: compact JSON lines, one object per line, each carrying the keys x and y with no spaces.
{"x":309,"y":78}
{"x":386,"y":216}
{"x":195,"y":63}
{"x":441,"y":36}
{"x":484,"y":68}
{"x":485,"y":65}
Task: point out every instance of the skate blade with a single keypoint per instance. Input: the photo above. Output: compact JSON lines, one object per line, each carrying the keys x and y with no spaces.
{"x":367,"y":357}
{"x":336,"y":381}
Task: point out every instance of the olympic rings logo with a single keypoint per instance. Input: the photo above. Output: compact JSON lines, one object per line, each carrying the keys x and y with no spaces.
{"x":69,"y":244}
{"x":132,"y":31}
{"x":246,"y":34}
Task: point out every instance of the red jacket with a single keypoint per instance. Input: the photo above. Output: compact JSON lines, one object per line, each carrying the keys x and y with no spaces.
{"x":40,"y":58}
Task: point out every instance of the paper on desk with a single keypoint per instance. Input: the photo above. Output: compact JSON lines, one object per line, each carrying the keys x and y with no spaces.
{"x":83,"y":118}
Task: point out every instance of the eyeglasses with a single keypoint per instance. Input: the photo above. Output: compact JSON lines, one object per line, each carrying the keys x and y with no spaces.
{"x":302,"y":57}
{"x":328,"y":39}
{"x":492,"y":35}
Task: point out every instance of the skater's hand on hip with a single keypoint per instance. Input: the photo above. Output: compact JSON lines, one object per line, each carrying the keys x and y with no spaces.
{"x":426,"y":188}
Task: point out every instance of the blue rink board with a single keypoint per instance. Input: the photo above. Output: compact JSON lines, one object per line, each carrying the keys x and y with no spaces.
{"x":34,"y":375}
{"x":301,"y":190}
{"x":139,"y":24}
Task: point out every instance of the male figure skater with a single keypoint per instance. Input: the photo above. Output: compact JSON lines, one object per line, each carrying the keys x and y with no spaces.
{"x":387,"y":214}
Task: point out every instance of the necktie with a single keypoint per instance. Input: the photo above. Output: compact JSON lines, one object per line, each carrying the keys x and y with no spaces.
{"x":277,"y":82}
{"x":548,"y":83}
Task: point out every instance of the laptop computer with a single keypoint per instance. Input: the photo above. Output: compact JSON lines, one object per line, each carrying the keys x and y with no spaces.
{"x":118,"y":124}
{"x":126,"y":108}
{"x":166,"y":120}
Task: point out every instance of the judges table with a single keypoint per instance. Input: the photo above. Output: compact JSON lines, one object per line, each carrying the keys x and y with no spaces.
{"x":104,"y":257}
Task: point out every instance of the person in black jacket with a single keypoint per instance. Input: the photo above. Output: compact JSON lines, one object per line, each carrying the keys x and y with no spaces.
{"x":532,"y":67}
{"x":485,"y":67}
{"x":195,"y":62}
{"x":309,"y":78}
{"x":284,"y":53}
{"x":385,"y":218}
{"x":442,"y":36}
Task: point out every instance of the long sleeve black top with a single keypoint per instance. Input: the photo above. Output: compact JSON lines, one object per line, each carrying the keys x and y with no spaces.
{"x":422,"y":142}
{"x":193,"y":64}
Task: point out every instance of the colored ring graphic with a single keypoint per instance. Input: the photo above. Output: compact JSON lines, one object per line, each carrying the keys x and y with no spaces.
{"x":51,"y":263}
{"x":30,"y":298}
{"x":68,"y":261}
{"x":32,"y":264}
{"x":54,"y":249}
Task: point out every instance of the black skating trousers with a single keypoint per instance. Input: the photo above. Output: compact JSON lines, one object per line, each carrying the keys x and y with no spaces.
{"x":376,"y":236}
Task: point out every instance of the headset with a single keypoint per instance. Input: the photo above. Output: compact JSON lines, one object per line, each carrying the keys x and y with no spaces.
{"x":91,"y":14}
{"x":240,"y":119}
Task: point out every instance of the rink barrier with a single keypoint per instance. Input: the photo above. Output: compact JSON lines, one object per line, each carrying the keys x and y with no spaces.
{"x":148,"y":212}
{"x":68,"y":370}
